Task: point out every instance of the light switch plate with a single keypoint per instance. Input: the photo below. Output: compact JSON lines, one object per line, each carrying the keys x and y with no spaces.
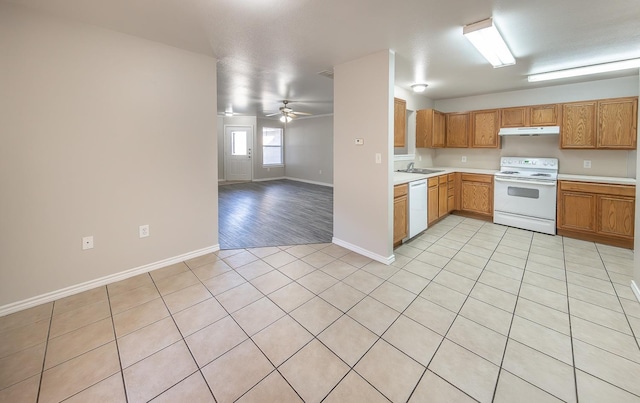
{"x":359,"y":142}
{"x":464,"y":159}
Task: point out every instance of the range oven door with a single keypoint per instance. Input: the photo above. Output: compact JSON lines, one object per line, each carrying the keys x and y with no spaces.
{"x":526,"y":197}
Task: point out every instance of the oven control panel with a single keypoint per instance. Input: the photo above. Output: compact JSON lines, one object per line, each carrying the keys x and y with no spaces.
{"x":520,"y":162}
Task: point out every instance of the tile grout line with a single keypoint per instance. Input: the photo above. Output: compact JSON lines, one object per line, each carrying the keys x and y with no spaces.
{"x":513,"y":315}
{"x":115,"y":339}
{"x":44,"y":356}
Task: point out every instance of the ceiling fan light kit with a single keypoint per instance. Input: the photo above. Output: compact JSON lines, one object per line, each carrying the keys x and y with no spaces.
{"x":419,"y":87}
{"x":285,"y":118}
{"x":586,"y":70}
{"x":486,"y":38}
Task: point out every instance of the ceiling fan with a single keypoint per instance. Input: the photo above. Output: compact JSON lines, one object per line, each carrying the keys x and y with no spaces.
{"x":286,"y":113}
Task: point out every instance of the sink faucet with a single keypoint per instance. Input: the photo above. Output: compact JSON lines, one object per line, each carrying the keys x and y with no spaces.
{"x":410,"y":166}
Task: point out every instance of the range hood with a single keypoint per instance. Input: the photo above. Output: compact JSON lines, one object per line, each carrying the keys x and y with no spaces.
{"x":529,"y":131}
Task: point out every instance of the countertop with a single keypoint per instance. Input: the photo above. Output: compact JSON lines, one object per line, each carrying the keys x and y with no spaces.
{"x":403,"y":177}
{"x":597,"y":179}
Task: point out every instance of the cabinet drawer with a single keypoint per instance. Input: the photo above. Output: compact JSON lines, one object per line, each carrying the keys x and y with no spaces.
{"x":400,"y":190}
{"x":598,"y":188}
{"x":477,"y":178}
{"x":442,"y":179}
{"x":433,"y":182}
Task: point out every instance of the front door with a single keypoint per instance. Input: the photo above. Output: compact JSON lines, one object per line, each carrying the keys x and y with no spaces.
{"x":238,"y":142}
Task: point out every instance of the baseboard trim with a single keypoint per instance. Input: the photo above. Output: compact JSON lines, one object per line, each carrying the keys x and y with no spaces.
{"x":308,"y":181}
{"x":269,"y":179}
{"x":364,"y":252}
{"x":112,"y":278}
{"x":635,"y":289}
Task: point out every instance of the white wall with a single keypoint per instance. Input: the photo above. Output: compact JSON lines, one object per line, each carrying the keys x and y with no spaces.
{"x":636,"y":272}
{"x":604,"y":162}
{"x":309,"y":149}
{"x":100,"y":132}
{"x":363,"y":108}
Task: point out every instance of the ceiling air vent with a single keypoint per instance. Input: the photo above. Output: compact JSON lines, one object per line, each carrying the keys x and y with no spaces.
{"x":326,"y":73}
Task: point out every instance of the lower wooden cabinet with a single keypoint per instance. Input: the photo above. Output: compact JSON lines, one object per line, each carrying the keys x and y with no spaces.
{"x":440,"y":197}
{"x":451,"y":196}
{"x":597,"y":212}
{"x":476,"y":194}
{"x":400,"y":213}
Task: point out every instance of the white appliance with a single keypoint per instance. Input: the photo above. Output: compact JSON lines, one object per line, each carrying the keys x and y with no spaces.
{"x":417,"y":207}
{"x":525,"y":193}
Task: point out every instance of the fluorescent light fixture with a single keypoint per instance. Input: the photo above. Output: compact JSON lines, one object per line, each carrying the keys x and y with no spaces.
{"x":285,"y":118}
{"x":419,"y":87}
{"x":586,"y":70}
{"x":486,"y":38}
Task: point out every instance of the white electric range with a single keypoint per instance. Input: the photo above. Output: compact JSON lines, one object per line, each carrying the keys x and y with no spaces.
{"x":525,"y":193}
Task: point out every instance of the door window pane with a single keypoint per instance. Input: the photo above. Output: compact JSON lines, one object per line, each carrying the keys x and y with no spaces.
{"x":238,"y":143}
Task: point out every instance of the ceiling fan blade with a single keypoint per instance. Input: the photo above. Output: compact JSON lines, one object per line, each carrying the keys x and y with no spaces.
{"x":274,"y":114}
{"x":301,"y":113}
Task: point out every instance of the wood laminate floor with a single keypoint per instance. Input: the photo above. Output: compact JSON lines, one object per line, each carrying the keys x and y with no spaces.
{"x":274,"y":213}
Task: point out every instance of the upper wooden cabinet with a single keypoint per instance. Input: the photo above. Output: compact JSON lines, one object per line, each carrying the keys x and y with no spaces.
{"x":399,"y":122}
{"x":578,"y":125}
{"x":617,"y":121}
{"x":457,"y":125}
{"x":543,"y":115}
{"x":607,"y":123}
{"x":484,"y":129}
{"x":526,"y":116}
{"x":430,"y":129}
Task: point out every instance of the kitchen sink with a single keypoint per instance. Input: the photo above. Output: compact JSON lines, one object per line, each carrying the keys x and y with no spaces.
{"x":422,"y":171}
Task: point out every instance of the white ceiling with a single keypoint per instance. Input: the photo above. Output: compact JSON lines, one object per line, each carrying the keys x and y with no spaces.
{"x":269,"y":50}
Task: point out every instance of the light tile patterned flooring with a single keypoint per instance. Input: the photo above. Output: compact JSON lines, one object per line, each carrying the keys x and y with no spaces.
{"x":469,"y":311}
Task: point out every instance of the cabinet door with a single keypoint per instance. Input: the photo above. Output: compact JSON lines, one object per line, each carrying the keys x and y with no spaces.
{"x":430,"y":129}
{"x":484,"y":129}
{"x":477,"y":197}
{"x":577,"y":211}
{"x":617,"y":121}
{"x":399,"y":122}
{"x":443,"y":199}
{"x":514,"y":117}
{"x":432,"y":202}
{"x":543,"y":115}
{"x":457,"y":130}
{"x":400,"y":209}
{"x":578,"y":125}
{"x":615,"y":215}
{"x":451,"y":196}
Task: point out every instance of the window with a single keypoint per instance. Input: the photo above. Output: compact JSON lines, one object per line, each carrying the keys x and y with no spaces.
{"x":272,"y":146}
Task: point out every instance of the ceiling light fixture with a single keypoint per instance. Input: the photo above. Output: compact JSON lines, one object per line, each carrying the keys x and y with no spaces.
{"x":586,"y":70}
{"x":419,"y":87}
{"x":486,"y":38}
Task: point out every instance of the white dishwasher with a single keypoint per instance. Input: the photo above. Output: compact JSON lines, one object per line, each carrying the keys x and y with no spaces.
{"x":417,"y":207}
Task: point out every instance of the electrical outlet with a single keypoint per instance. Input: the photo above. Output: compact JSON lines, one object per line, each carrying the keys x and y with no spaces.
{"x":144,"y":231}
{"x":87,"y":242}
{"x":464,"y":159}
{"x":419,"y":157}
{"x":587,"y":163}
